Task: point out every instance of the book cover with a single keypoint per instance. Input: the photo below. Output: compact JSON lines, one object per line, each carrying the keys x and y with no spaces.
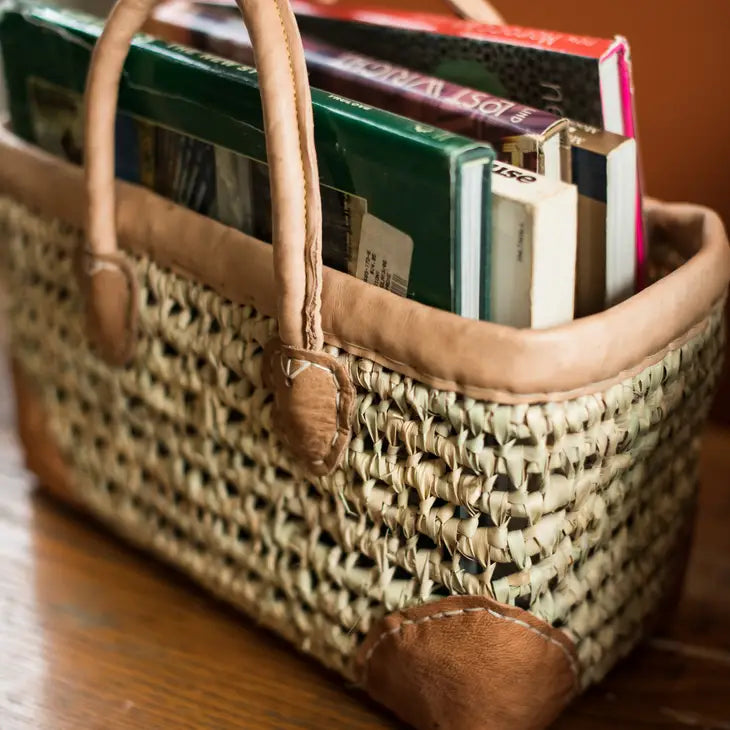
{"x":377,"y":170}
{"x":604,"y":171}
{"x":213,"y":181}
{"x":521,"y":135}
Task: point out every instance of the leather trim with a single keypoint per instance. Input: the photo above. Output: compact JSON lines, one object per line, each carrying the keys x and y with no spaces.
{"x":478,"y":359}
{"x":313,"y":404}
{"x":469,"y":662}
{"x":298,"y":247}
{"x":42,"y":455}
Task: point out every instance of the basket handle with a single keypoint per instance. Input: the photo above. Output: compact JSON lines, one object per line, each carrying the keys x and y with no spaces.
{"x":480,"y":11}
{"x":313,"y":394}
{"x":297,"y":229}
{"x":106,"y":277}
{"x":297,"y":236}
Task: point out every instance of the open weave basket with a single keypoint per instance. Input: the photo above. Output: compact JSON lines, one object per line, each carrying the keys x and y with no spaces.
{"x":572,"y":507}
{"x":563,"y":519}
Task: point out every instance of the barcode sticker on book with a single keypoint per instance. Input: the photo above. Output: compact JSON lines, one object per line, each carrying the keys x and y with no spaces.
{"x":384,"y":255}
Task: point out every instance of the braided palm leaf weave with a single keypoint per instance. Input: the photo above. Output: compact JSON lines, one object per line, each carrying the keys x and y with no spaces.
{"x":573,"y":510}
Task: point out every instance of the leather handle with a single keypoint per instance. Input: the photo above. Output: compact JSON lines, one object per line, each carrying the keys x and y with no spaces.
{"x":297,"y":217}
{"x":313,"y":395}
{"x":480,"y":11}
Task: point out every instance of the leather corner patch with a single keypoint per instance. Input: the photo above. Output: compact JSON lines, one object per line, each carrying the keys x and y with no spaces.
{"x":313,"y":404}
{"x":110,"y":293}
{"x":468,"y":663}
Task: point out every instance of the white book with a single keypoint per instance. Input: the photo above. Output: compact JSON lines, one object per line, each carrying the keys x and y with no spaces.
{"x":533,"y":253}
{"x":605,"y":173}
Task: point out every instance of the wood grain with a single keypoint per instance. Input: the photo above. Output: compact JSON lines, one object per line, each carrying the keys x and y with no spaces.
{"x":95,"y":635}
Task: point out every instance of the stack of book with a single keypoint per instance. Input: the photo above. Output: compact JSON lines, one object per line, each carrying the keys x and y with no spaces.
{"x":487,"y":170}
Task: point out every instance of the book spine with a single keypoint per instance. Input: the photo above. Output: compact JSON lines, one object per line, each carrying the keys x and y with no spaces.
{"x":628,"y":103}
{"x":590,"y":174}
{"x":515,"y":130}
{"x":627,"y":86}
{"x":432,"y":23}
{"x":533,"y":247}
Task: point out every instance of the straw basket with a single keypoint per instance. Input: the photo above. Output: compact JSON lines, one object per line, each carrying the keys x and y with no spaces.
{"x":471,"y":522}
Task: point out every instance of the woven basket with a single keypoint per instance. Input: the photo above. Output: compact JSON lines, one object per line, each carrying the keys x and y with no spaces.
{"x":471,"y":522}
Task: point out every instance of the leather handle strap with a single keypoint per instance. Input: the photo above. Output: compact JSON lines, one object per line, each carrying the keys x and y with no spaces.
{"x":480,"y":11}
{"x":297,"y":217}
{"x":313,"y":395}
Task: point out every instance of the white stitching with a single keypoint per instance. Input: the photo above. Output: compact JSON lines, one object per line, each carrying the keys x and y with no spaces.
{"x":95,"y":266}
{"x":304,"y":365}
{"x":450,"y":614}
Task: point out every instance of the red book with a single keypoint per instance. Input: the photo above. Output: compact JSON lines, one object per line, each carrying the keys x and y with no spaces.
{"x":447,"y":25}
{"x":580,"y":77}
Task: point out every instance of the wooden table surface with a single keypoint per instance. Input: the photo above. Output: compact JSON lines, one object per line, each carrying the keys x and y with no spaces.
{"x":95,"y":635}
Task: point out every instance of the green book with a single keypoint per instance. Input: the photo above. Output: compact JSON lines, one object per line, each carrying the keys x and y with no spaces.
{"x":406,"y":206}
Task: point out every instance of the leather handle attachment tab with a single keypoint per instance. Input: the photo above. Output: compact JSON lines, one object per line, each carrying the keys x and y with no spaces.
{"x":314,"y":395}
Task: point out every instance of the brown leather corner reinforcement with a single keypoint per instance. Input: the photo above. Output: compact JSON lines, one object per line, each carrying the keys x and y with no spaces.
{"x":109,"y":288}
{"x":42,"y":455}
{"x":469,"y":663}
{"x":313,"y":403}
